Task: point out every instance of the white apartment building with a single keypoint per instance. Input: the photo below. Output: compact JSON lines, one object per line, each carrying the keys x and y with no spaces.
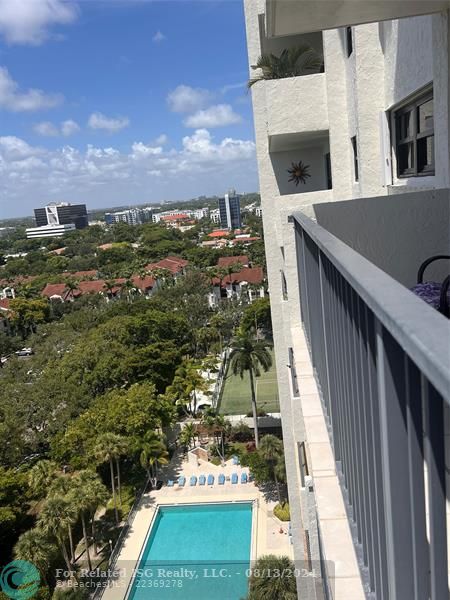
{"x":362,"y":362}
{"x":49,"y":231}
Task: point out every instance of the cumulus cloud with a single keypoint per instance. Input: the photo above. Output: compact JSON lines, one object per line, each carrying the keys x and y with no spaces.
{"x":11,"y":98}
{"x":48,"y":129}
{"x":214,"y":116}
{"x":161,"y":140}
{"x":26,"y":169}
{"x":29,"y":21}
{"x":99,"y":121}
{"x":69,"y":127}
{"x":187,"y":99}
{"x":158,"y":37}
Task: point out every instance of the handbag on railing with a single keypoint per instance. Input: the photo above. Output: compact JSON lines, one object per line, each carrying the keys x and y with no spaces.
{"x":433,"y":293}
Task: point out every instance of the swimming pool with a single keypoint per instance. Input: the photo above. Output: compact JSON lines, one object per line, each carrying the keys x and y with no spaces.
{"x":196,"y":552}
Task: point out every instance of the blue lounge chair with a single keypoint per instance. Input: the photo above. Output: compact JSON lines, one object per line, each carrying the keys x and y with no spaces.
{"x":236,"y":460}
{"x":244,"y":477}
{"x":193,"y":480}
{"x":201,"y":480}
{"x":221,"y":479}
{"x":170,"y":483}
{"x":234,"y":478}
{"x":210,"y":479}
{"x":181,"y":481}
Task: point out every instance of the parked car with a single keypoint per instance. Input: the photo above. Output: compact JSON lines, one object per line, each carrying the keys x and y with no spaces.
{"x":24,"y":352}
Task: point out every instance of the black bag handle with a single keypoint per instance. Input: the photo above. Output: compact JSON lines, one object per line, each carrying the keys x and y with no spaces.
{"x":444,"y":307}
{"x":427,"y":262}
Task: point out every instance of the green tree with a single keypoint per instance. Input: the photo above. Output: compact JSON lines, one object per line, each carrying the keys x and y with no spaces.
{"x":41,"y":476}
{"x":33,"y":545}
{"x":26,"y":314}
{"x":292,"y":62}
{"x":249,"y":355}
{"x":109,"y":448}
{"x":264,"y":586}
{"x":153,"y":453}
{"x":271,"y":449}
{"x":57,"y":516}
{"x":188,"y":434}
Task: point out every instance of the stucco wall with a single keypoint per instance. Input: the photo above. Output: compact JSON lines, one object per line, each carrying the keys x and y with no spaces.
{"x":397,"y":233}
{"x":314,"y":157}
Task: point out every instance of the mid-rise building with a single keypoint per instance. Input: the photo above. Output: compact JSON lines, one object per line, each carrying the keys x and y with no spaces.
{"x":61,"y":213}
{"x":131,"y":216}
{"x":354,"y":170}
{"x":230,"y":210}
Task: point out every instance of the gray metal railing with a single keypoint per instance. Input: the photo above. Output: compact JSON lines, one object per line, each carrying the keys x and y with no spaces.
{"x":382,"y":361}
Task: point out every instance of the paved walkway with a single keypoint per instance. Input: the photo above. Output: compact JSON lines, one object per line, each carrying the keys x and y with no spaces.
{"x":270,"y":536}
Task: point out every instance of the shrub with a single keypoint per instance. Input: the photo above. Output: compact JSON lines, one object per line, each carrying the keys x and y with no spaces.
{"x":281,"y":511}
{"x":241,"y":433}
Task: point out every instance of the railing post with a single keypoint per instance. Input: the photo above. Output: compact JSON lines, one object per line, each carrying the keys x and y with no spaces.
{"x":395,"y":467}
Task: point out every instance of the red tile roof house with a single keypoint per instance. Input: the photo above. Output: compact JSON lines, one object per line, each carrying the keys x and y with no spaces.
{"x":60,"y":291}
{"x":145,"y":285}
{"x":249,"y":281}
{"x":228,"y":261}
{"x":176,"y":266}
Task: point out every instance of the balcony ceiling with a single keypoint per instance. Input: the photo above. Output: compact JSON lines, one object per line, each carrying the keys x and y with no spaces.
{"x":291,"y":17}
{"x":297,"y":141}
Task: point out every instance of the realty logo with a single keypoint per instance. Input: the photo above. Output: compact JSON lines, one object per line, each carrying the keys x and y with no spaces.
{"x":20,"y":580}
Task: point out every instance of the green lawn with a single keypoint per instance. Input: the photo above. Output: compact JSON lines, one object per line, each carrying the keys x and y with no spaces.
{"x":236,"y":398}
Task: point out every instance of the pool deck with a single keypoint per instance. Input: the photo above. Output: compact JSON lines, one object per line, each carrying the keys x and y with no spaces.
{"x":267,"y":537}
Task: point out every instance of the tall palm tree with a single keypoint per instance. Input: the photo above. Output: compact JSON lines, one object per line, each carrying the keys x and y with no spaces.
{"x":249,"y":355}
{"x":267,"y":587}
{"x":83,"y":499}
{"x":153,"y":454}
{"x":128,"y":288}
{"x":271,"y":449}
{"x":55,"y":519}
{"x":109,"y":448}
{"x":71,"y":288}
{"x":109,"y":287}
{"x":35,"y":547}
{"x":99,"y":496}
{"x":63,"y":486}
{"x":40,"y":477}
{"x":188,"y":434}
{"x":292,"y":62}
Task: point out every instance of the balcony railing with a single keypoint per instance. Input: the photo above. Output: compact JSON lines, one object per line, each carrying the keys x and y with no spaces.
{"x":382,"y":361}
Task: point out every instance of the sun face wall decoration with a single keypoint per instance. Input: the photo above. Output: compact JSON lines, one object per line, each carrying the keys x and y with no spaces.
{"x":298,"y":172}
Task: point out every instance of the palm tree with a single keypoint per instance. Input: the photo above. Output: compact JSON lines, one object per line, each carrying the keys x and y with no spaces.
{"x":292,"y":62}
{"x":57,"y":516}
{"x":109,"y":287}
{"x":267,"y":587}
{"x":40,"y":477}
{"x":71,"y":288}
{"x":35,"y":547}
{"x":129,"y":288}
{"x":153,"y":454}
{"x":271,"y":449}
{"x":63,"y":486}
{"x":99,"y":496}
{"x":250,"y":355}
{"x":109,"y":448}
{"x":188,"y":434}
{"x":82,"y":497}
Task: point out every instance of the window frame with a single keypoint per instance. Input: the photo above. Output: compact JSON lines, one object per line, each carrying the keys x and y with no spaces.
{"x":411,"y":106}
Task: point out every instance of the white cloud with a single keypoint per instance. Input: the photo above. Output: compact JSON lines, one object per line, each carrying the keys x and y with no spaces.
{"x":28,"y":21}
{"x":28,"y":171}
{"x":46,"y":129}
{"x":161,"y":140}
{"x":99,"y":121}
{"x":158,"y":37}
{"x":187,"y":99}
{"x":16,"y":101}
{"x":214,"y":116}
{"x":69,"y":127}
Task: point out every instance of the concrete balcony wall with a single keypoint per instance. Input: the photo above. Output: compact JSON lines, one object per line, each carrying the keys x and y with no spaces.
{"x":296,"y":106}
{"x":285,"y":17}
{"x":396,"y":233}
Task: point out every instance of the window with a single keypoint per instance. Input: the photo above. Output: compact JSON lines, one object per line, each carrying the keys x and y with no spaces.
{"x":414,"y":137}
{"x":328,"y":171}
{"x":284,"y":289}
{"x":355,"y":157}
{"x":349,"y":40}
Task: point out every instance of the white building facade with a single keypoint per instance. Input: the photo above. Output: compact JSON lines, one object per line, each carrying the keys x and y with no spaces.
{"x":372,"y":129}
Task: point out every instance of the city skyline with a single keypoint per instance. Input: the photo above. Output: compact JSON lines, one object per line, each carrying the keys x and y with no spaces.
{"x":130,"y":123}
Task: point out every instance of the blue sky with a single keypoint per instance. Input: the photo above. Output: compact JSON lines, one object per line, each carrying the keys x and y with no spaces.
{"x":122,"y":102}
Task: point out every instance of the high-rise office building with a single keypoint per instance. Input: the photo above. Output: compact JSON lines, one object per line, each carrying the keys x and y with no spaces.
{"x":230,"y":210}
{"x":62,"y":214}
